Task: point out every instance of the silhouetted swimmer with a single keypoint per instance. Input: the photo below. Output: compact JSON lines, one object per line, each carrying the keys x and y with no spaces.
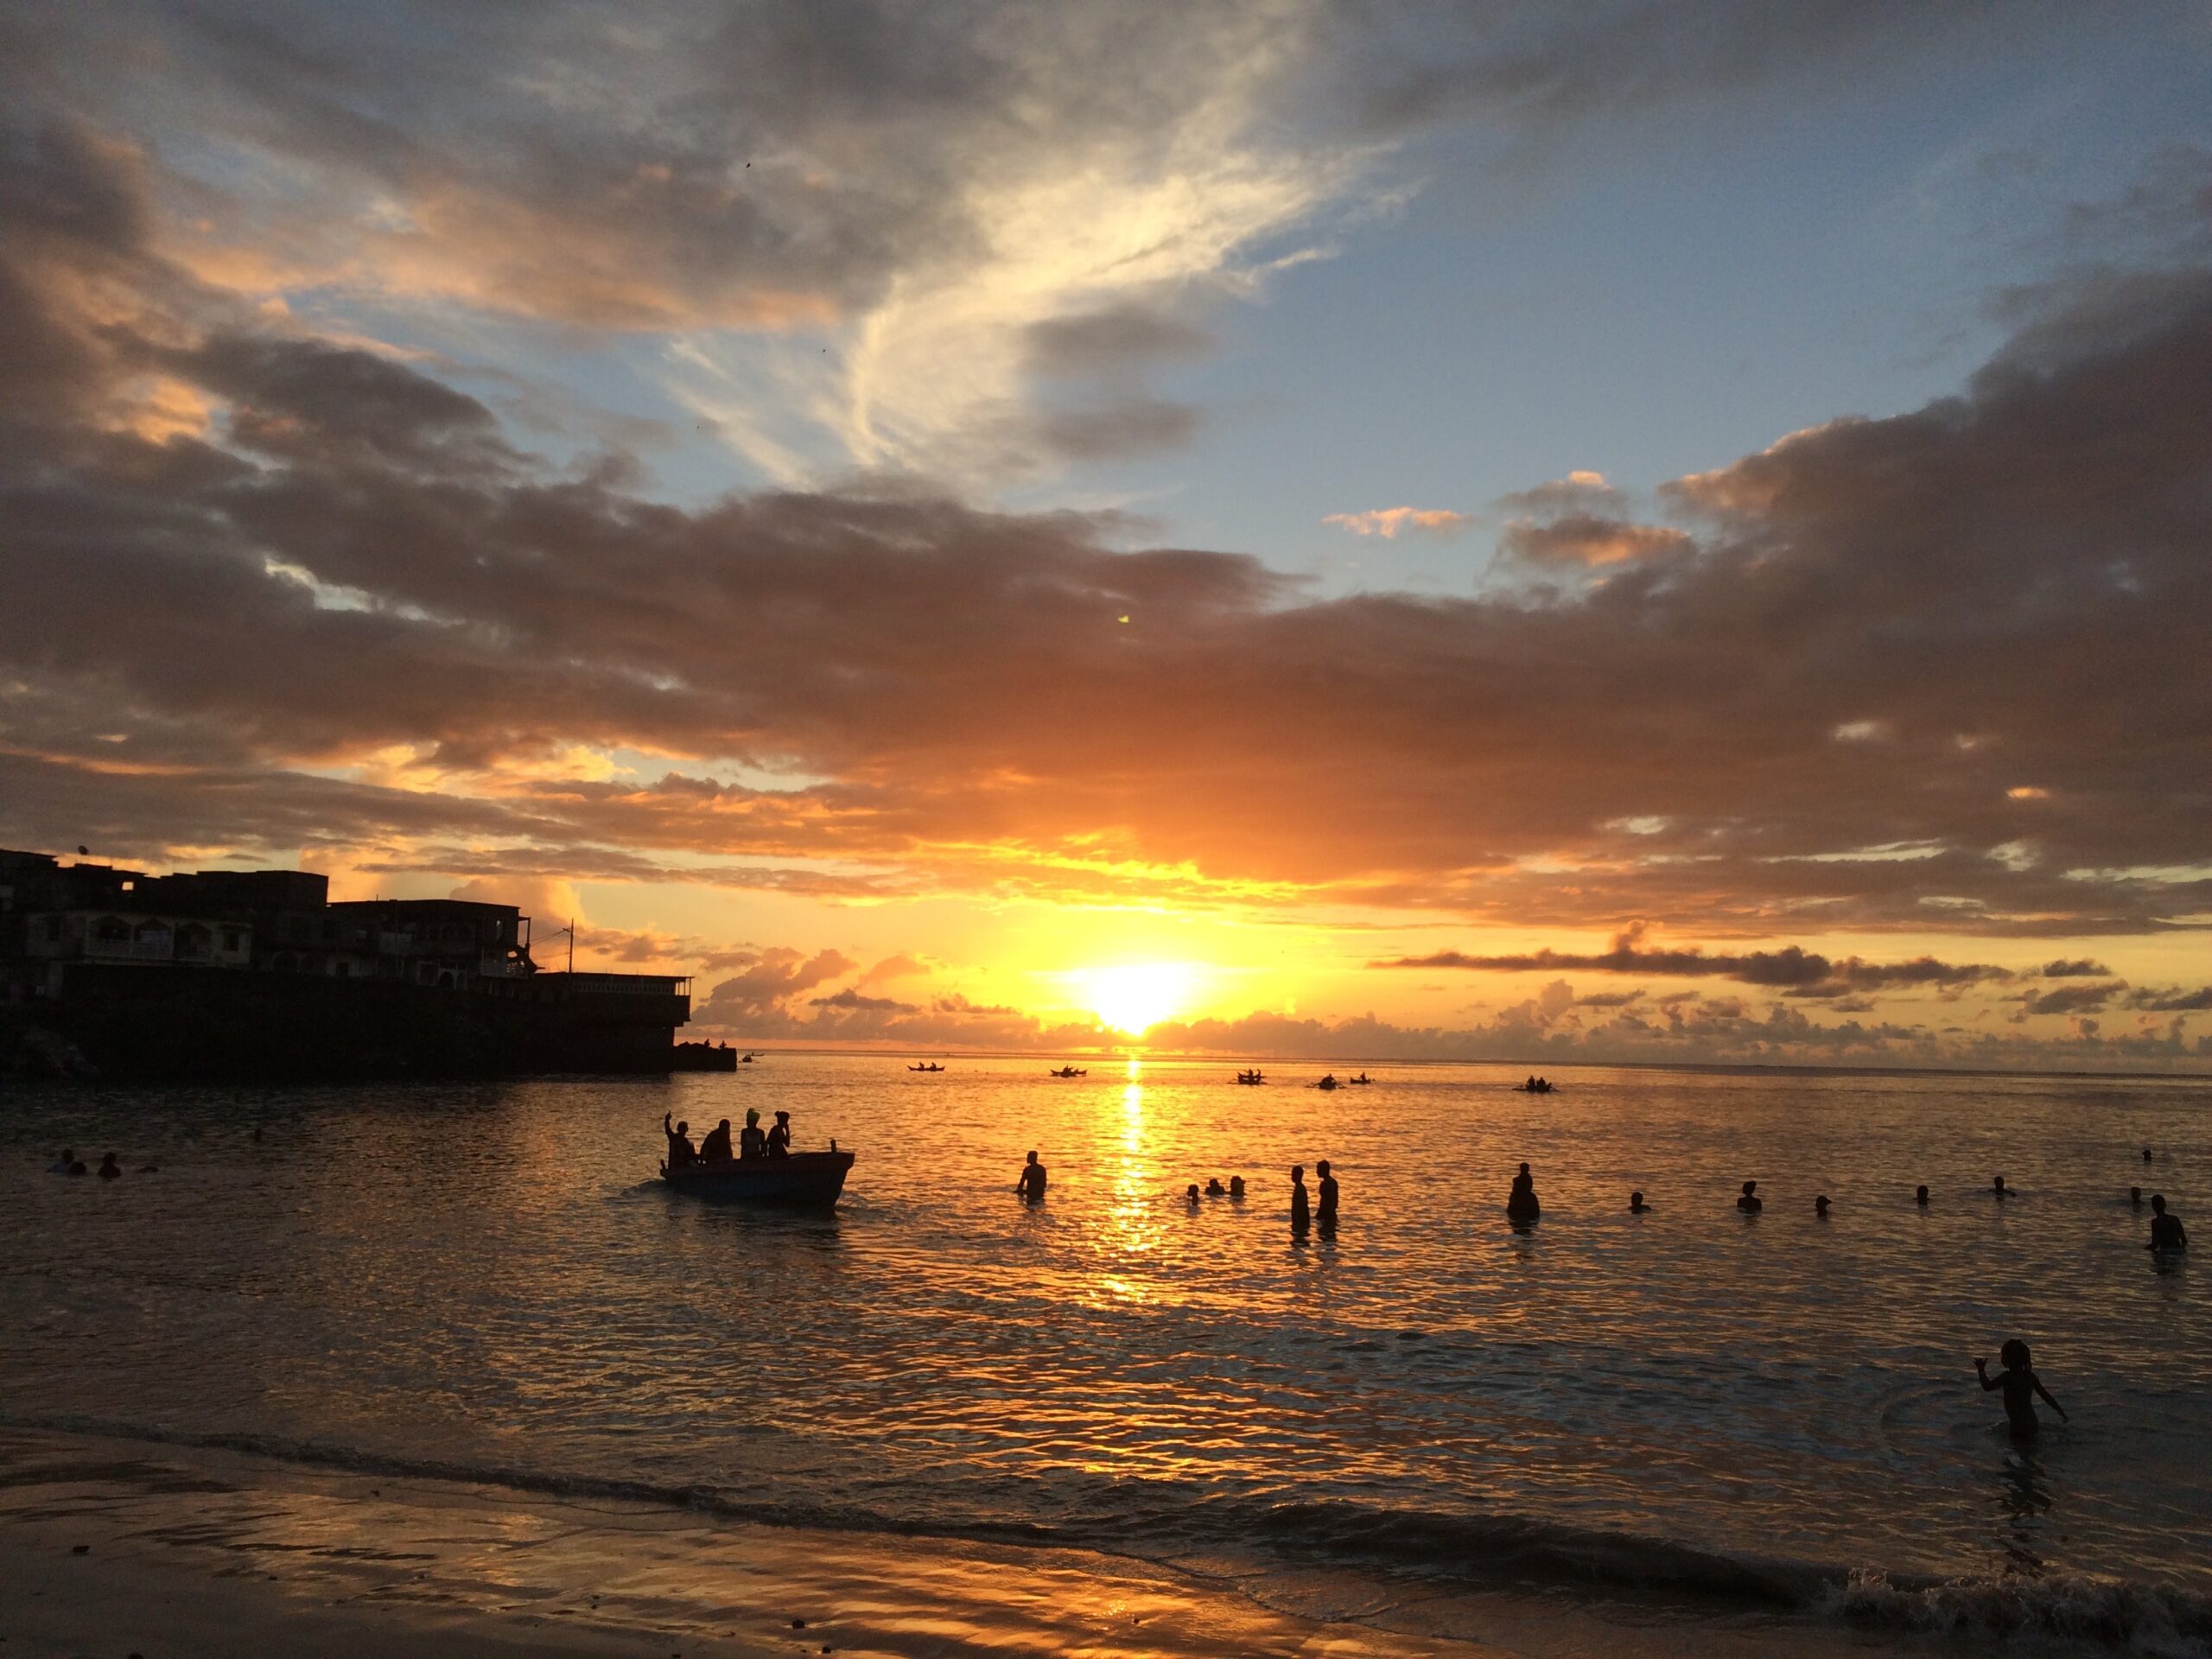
{"x":2146,"y":1154}
{"x":1032,"y":1184}
{"x":1215,"y":1189}
{"x":60,"y":1166}
{"x":1326,"y":1212}
{"x":1998,"y":1189}
{"x":1920,"y":1195}
{"x":1750,"y":1203}
{"x":713,"y":1148}
{"x":2135,"y":1197}
{"x":779,"y":1138}
{"x":1820,"y":1206}
{"x":1301,"y":1213}
{"x":2021,"y":1385}
{"x":110,"y":1169}
{"x":1636,"y":1206}
{"x":1237,"y":1187}
{"x":1521,"y":1204}
{"x":681,"y":1154}
{"x":1191,"y":1193}
{"x":2166,"y":1231}
{"x":750,"y":1143}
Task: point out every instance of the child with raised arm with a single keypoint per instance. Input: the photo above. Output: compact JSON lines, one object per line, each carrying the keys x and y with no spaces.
{"x":2021,"y":1385}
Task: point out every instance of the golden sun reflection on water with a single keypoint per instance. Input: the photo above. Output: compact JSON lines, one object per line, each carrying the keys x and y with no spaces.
{"x":1134,"y":1229}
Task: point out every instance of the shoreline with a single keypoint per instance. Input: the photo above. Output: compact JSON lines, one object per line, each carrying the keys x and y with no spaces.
{"x":188,"y":1552}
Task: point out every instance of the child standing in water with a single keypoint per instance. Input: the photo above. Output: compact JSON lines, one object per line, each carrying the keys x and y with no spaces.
{"x":2021,"y":1385}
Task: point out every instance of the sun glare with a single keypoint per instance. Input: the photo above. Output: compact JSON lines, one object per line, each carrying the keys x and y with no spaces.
{"x":1138,"y":994}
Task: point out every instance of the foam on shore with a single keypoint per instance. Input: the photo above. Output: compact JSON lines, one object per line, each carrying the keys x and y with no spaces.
{"x":196,"y":1552}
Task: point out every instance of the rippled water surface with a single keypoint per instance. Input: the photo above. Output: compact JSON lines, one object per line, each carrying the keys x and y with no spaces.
{"x":486,"y":1278}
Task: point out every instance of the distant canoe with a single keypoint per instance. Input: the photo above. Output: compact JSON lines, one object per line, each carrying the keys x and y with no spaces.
{"x":803,"y":1180}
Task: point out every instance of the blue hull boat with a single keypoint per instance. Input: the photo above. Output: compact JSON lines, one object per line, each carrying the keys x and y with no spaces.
{"x":803,"y":1180}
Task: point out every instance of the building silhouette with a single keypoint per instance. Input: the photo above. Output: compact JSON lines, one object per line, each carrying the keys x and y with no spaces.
{"x":256,"y":972}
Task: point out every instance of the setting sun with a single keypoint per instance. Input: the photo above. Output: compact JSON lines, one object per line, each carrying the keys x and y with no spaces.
{"x":1135,"y":995}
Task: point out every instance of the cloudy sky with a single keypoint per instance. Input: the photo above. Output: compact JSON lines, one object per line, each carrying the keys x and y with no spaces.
{"x":1627,"y":530}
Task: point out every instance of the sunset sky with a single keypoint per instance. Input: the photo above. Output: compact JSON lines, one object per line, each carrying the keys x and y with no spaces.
{"x":1609,"y":532}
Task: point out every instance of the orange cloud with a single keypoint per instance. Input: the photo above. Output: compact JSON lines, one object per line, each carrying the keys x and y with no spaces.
{"x":1390,"y":522}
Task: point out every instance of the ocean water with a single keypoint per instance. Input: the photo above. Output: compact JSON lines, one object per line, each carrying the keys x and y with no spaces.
{"x":1780,"y":1412}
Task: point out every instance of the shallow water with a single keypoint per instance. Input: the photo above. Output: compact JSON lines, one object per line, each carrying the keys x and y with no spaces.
{"x":481,"y":1279}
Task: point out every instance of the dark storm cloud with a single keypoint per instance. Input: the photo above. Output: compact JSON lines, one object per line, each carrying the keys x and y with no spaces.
{"x":850,"y":998}
{"x":1114,"y":340}
{"x":2172,"y":1000}
{"x":1938,"y":671}
{"x":1133,"y":426}
{"x":1581,"y":538}
{"x":1549,"y":68}
{"x":668,"y":164}
{"x":1793,"y":970}
{"x":2071,"y":999}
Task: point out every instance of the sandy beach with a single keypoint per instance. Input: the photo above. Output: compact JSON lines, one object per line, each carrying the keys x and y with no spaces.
{"x":120,"y":1548}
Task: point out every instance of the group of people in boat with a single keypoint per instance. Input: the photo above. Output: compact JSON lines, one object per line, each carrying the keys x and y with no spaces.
{"x":752,"y":1141}
{"x":1330,"y":1080}
{"x":1535,"y":1085}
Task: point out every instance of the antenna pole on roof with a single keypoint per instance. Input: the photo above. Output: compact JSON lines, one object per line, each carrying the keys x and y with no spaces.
{"x":572,"y":944}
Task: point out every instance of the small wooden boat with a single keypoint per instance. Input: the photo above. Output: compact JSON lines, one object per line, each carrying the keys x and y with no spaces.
{"x":925,"y":1068}
{"x":1362,"y":1078}
{"x":802,"y":1180}
{"x":1251,"y":1077}
{"x":1068,"y":1071}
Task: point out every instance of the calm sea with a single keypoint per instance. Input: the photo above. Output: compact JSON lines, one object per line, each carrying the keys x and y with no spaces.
{"x":484,"y":1281}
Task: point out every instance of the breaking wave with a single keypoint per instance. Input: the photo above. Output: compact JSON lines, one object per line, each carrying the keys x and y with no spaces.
{"x":2157,"y":1621}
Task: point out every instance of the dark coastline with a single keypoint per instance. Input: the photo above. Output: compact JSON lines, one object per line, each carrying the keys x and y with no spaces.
{"x":205,"y":1025}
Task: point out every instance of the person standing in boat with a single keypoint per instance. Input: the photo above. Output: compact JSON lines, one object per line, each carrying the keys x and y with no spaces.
{"x":1032,"y":1184}
{"x":680,"y":1152}
{"x":750,"y":1143}
{"x":714,"y":1148}
{"x":779,"y":1138}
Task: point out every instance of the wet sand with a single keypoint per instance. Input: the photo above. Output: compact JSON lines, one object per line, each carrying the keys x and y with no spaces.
{"x":190,"y":1553}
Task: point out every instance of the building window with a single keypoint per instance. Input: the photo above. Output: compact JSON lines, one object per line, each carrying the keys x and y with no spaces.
{"x":233,"y":940}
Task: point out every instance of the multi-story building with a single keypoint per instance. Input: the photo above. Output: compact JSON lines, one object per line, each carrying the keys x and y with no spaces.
{"x":139,"y":947}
